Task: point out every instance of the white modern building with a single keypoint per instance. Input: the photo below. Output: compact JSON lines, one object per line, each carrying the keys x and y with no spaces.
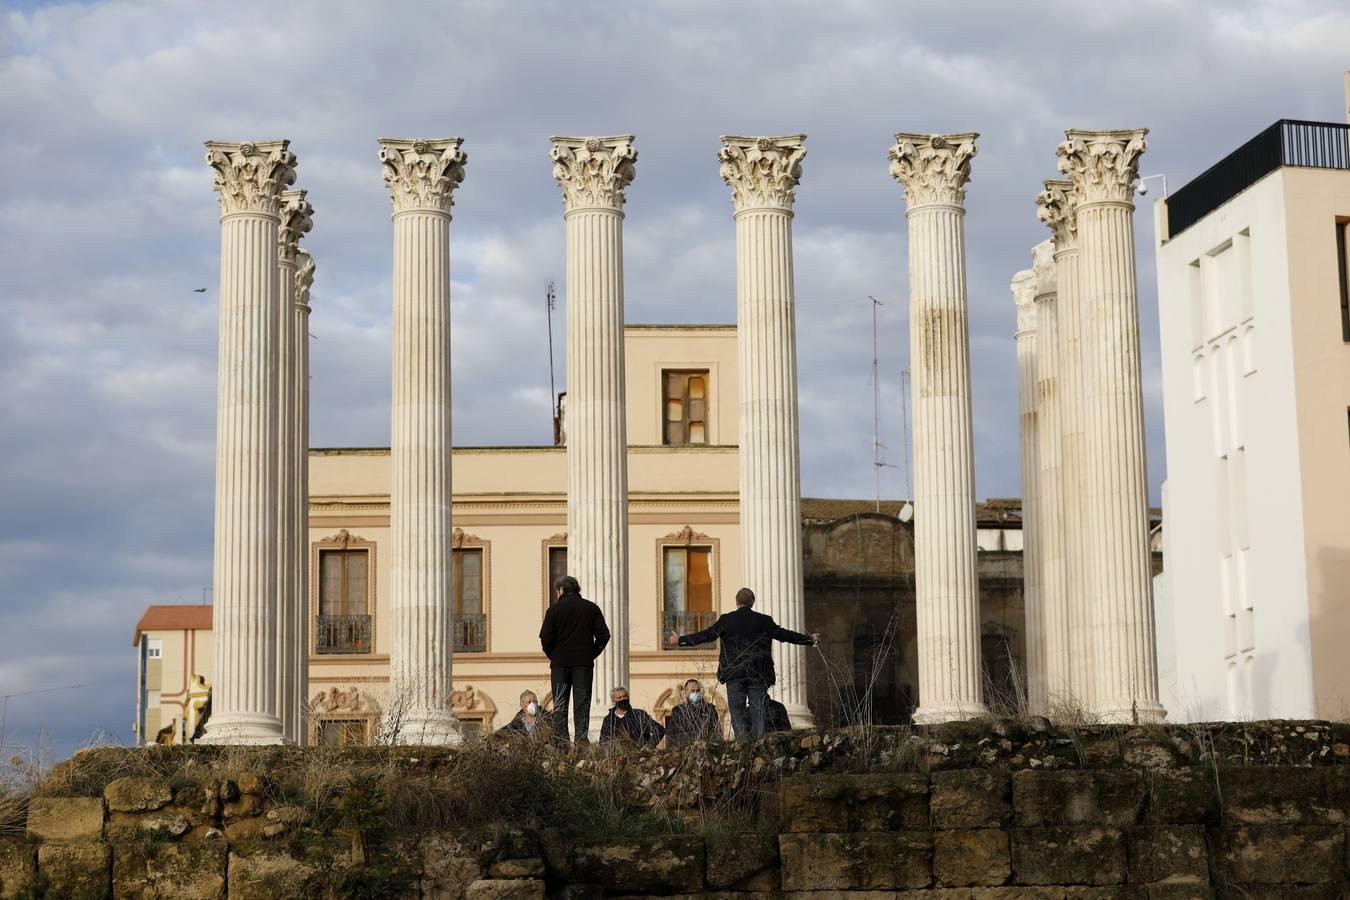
{"x":1254,"y":602}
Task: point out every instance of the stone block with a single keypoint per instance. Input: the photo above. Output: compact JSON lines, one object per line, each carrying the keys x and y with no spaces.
{"x":1012,"y":893}
{"x":163,"y":823}
{"x":506,"y":889}
{"x":860,"y":861}
{"x":447,"y":867}
{"x":1112,"y":799}
{"x":137,"y":795}
{"x":1172,"y":853}
{"x":1277,"y":795}
{"x":669,"y":864}
{"x":517,"y":868}
{"x":249,"y":783}
{"x":247,"y":805}
{"x":76,"y":870}
{"x":737,"y":859}
{"x":18,"y":869}
{"x":847,"y":803}
{"x":1182,"y":796}
{"x":971,"y":798}
{"x":261,"y":876}
{"x":180,"y":871}
{"x":1084,"y":855}
{"x":1282,"y":891}
{"x":974,"y":857}
{"x":1165,"y":891}
{"x":1275,"y":854}
{"x":66,"y":818}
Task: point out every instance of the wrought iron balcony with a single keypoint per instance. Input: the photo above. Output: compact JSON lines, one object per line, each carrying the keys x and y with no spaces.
{"x":683,"y":622}
{"x":343,"y":634}
{"x":469,"y":632}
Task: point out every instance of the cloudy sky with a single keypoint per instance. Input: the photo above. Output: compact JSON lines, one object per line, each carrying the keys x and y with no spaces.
{"x":108,"y":223}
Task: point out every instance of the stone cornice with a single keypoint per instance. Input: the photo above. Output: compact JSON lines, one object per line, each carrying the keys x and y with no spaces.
{"x":933,"y":168}
{"x":1057,"y":207}
{"x":1043,"y":267}
{"x":422,"y":174}
{"x":1103,"y":165}
{"x":593,"y":171}
{"x":763,"y":172}
{"x":249,"y":176}
{"x":296,"y":222}
{"x":304,"y":278}
{"x":1024,"y":297}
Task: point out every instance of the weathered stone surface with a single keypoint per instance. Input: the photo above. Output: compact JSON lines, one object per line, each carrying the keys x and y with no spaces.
{"x":517,"y":868}
{"x":862,"y":861}
{"x":1278,"y":795}
{"x":1182,"y":796}
{"x":971,"y":798}
{"x":1014,"y":893}
{"x":1282,"y":891}
{"x":246,"y":805}
{"x":135,"y":795}
{"x":975,"y":857}
{"x":66,"y":818}
{"x":1174,"y":853}
{"x":262,"y":876}
{"x":76,"y":870}
{"x":506,"y":889}
{"x":186,"y":871}
{"x":243,"y":830}
{"x":447,"y":866}
{"x":18,"y":868}
{"x":1108,"y":798}
{"x":737,"y":859}
{"x":282,"y":819}
{"x":670,"y":864}
{"x":841,"y":803}
{"x":1271,"y":854}
{"x":162,"y":823}
{"x":1167,"y":891}
{"x":249,"y":783}
{"x":1086,"y":855}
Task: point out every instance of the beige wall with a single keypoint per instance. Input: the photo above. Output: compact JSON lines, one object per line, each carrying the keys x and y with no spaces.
{"x":185,"y":652}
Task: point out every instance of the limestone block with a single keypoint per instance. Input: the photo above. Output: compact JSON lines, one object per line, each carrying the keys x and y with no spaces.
{"x":1014,"y":893}
{"x":249,"y":783}
{"x":251,"y":829}
{"x":282,"y":819}
{"x":1105,"y":798}
{"x":506,"y":889}
{"x":1274,"y":795}
{"x":517,"y":868}
{"x":971,"y":798}
{"x":848,"y":803}
{"x":162,"y":823}
{"x":734,"y":859}
{"x":1282,"y":892}
{"x":134,"y":795}
{"x":1174,"y":853}
{"x":669,"y":864}
{"x":262,"y":876}
{"x":974,"y":857}
{"x":447,"y":867}
{"x":1171,"y":892}
{"x":186,"y":871}
{"x":76,"y":870}
{"x":1272,"y":854}
{"x":18,"y":868}
{"x":66,"y":818}
{"x":863,"y":861}
{"x":1089,"y":856}
{"x":246,"y":805}
{"x":1182,"y":796}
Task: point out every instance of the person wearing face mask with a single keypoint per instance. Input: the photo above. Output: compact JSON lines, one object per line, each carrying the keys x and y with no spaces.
{"x":530,"y":721}
{"x":628,"y":725}
{"x":693,"y":720}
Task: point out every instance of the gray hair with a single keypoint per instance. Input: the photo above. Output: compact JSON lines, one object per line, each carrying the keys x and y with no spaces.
{"x":531,"y":694}
{"x":618,"y":687}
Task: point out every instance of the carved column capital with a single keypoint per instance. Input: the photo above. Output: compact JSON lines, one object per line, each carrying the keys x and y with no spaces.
{"x":1057,"y":207}
{"x":304,"y":277}
{"x":249,"y":176}
{"x":1103,"y":165}
{"x":593,"y":171}
{"x":763,"y":172}
{"x":1024,"y":298}
{"x":422,"y":174}
{"x":296,"y":222}
{"x":933,"y":168}
{"x":1043,"y":266}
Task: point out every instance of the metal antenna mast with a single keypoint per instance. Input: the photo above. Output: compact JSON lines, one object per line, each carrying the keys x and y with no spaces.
{"x":550,"y":298}
{"x":877,"y":462}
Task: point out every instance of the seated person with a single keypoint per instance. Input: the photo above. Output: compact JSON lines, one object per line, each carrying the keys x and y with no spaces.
{"x":775,"y":716}
{"x":693,"y":720}
{"x":628,"y":725}
{"x":530,"y":721}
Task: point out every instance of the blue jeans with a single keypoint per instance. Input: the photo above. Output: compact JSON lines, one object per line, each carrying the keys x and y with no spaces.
{"x":747,"y":718}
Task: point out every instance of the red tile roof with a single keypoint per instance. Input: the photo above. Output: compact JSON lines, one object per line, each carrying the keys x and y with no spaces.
{"x":173,"y":618}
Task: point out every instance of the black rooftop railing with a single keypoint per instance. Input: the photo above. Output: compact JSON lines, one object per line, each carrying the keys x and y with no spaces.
{"x":1289,"y":142}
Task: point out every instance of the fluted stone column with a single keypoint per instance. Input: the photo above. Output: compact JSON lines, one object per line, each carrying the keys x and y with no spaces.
{"x":1057,"y":207}
{"x":934,"y":168}
{"x":249,"y":179}
{"x":593,"y":173}
{"x":1024,"y":298}
{"x":1103,"y":166}
{"x":421,"y":176}
{"x":763,"y":173}
{"x":301,"y":611}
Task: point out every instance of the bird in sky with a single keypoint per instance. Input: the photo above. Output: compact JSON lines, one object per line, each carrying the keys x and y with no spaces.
{"x":199,"y":290}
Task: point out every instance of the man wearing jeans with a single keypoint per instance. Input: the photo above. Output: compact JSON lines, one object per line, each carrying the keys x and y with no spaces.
{"x":573,"y":635}
{"x":745,"y":663}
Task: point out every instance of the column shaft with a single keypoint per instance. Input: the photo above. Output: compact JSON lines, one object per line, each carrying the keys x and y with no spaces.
{"x":288,"y":639}
{"x":303,"y":615}
{"x":1027,"y":339}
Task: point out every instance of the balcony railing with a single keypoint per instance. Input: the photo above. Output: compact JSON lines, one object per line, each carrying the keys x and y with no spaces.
{"x":469,"y":632}
{"x":1289,"y":142}
{"x":343,"y":634}
{"x":682,"y":622}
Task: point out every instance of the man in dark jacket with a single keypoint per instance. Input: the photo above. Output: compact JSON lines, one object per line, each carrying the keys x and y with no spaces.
{"x":627,"y":725}
{"x":693,"y":720}
{"x":573,"y":635}
{"x":745,"y":664}
{"x":530,"y":721}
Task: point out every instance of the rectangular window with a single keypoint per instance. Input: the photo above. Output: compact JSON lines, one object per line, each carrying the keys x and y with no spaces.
{"x":154,"y":648}
{"x":686,"y":407}
{"x":687,"y":595}
{"x":1343,"y":264}
{"x":344,"y":621}
{"x":341,"y":732}
{"x":470,"y":623}
{"x":557,"y":568}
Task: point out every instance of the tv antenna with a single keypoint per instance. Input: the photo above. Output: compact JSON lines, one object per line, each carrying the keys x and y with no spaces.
{"x":877,"y":462}
{"x":550,"y":299}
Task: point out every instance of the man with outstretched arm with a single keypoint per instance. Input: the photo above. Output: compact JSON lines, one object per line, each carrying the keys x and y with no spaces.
{"x":573,"y":635}
{"x":745,"y":663}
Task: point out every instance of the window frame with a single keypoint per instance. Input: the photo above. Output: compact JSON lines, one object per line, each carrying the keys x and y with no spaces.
{"x":707,"y":420}
{"x":343,"y":540}
{"x":1343,"y":265}
{"x":546,"y":546}
{"x":364,"y":722}
{"x":685,"y":539}
{"x":459,"y":540}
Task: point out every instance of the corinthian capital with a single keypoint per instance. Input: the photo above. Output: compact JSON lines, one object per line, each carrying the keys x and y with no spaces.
{"x":593,"y":171}
{"x":422,"y":174}
{"x":296,"y":221}
{"x":933,"y":168}
{"x":304,"y":278}
{"x":762,"y":171}
{"x":1024,"y":297}
{"x":251,"y":176}
{"x":1057,"y":207}
{"x":1043,"y":266}
{"x":1103,"y":165}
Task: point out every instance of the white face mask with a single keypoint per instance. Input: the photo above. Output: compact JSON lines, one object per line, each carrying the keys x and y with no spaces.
{"x":695,"y":696}
{"x":532,"y":709}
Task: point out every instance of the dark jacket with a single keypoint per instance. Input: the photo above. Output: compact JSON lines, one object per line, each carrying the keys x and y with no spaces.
{"x":635,"y":727}
{"x":543,"y":726}
{"x":775,"y":716}
{"x":746,"y":638}
{"x":691,"y":722}
{"x":574,"y":632}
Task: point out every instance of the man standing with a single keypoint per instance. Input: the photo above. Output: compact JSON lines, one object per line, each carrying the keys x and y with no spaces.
{"x":693,"y":720}
{"x":573,"y":635}
{"x":745,"y":664}
{"x":628,"y":725}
